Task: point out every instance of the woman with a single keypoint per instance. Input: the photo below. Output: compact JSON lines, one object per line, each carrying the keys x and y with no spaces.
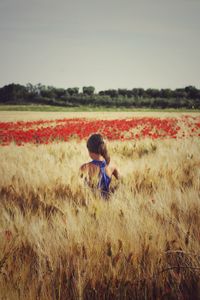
{"x":99,"y":171}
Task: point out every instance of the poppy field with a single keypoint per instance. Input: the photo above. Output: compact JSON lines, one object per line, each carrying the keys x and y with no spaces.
{"x":59,"y":240}
{"x":47,"y":131}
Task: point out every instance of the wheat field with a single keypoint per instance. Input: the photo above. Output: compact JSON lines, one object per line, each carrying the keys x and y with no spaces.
{"x":59,"y":240}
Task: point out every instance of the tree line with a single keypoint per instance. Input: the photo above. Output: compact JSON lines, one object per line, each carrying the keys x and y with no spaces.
{"x":188,"y":97}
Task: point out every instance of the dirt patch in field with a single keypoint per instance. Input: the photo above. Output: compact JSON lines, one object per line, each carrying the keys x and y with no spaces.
{"x":10,"y":116}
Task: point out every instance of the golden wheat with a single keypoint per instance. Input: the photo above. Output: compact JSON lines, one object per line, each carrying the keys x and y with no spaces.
{"x":59,"y":240}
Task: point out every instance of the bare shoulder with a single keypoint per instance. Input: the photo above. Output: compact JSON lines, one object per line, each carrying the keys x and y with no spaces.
{"x":84,"y":167}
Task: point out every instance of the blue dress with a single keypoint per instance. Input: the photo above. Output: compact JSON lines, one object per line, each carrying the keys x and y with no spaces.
{"x":104,"y":180}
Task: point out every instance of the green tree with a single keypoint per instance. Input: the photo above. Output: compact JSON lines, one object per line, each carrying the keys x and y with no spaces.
{"x":13,"y":93}
{"x":152,"y":93}
{"x":180,"y":93}
{"x":73,"y":91}
{"x":112,"y":93}
{"x":122,"y":92}
{"x":166,"y":93}
{"x":192,"y":92}
{"x":88,"y":90}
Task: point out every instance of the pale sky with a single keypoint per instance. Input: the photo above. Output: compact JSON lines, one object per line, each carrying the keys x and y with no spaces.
{"x":104,"y":43}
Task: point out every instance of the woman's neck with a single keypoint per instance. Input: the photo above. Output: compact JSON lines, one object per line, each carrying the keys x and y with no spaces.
{"x":96,"y":156}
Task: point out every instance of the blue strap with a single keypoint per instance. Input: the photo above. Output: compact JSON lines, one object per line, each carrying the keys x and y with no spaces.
{"x":100,"y":163}
{"x":105,"y":180}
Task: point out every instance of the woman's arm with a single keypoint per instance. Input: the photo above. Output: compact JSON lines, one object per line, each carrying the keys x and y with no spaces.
{"x":116,"y":173}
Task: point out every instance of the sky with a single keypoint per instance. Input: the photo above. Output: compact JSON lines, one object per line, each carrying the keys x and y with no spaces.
{"x":108,"y":44}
